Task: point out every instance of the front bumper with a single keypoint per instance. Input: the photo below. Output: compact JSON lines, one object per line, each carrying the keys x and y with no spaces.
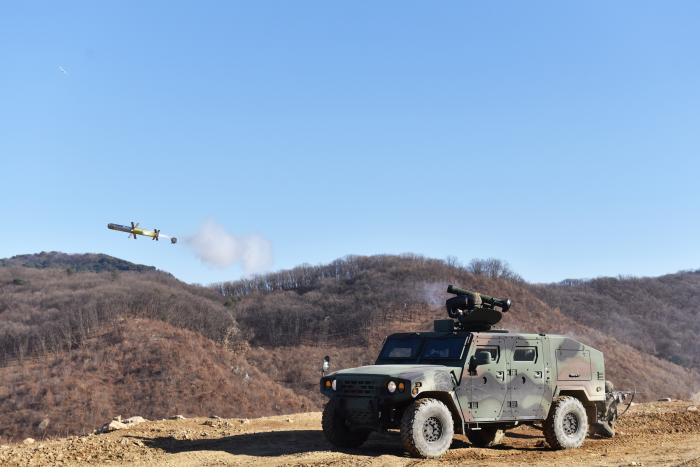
{"x":365,"y":401}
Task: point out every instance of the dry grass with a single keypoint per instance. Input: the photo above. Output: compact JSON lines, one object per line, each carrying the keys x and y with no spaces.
{"x":138,"y":367}
{"x":77,"y":348}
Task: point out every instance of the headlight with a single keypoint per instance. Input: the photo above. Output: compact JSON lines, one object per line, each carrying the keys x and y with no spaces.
{"x":391,"y":387}
{"x":334,"y":385}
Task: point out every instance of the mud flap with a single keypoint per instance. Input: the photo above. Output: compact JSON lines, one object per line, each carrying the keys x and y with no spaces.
{"x":602,"y":429}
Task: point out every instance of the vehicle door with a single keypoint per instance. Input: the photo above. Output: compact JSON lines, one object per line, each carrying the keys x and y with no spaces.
{"x":526,"y":378}
{"x":487,"y":382}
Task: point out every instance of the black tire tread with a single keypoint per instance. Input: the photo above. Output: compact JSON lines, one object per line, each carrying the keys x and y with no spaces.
{"x":336,"y":433}
{"x":407,"y":433}
{"x":549,"y":428}
{"x":407,"y":439}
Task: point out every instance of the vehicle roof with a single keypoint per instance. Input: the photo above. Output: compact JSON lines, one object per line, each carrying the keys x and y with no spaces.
{"x":493,"y":332}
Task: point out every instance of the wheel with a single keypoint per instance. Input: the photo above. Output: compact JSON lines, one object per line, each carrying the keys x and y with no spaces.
{"x":427,"y":428}
{"x":486,"y":437}
{"x":567,"y":423}
{"x":337,"y":431}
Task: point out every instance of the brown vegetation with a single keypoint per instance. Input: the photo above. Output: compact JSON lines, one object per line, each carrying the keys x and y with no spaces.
{"x":49,"y":310}
{"x":74,"y":263}
{"x":346,"y":308}
{"x":657,"y":315}
{"x":135,"y":367}
{"x":77,"y":348}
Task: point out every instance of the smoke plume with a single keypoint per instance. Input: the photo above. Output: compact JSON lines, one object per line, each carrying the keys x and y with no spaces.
{"x":216,"y":247}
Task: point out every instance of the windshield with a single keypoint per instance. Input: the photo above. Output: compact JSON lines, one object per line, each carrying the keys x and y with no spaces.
{"x":401,"y":348}
{"x":443,"y":348}
{"x":421,"y":349}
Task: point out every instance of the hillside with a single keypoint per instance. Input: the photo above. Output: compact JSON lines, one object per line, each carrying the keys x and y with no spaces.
{"x":136,"y":366}
{"x":78,"y":347}
{"x":78,"y":262}
{"x":345,"y":309}
{"x":52,"y":310}
{"x":657,"y":315}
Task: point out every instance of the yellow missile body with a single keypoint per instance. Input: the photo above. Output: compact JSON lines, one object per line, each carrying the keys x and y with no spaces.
{"x":135,"y":230}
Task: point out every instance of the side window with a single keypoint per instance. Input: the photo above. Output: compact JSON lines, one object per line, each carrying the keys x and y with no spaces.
{"x":525,"y":354}
{"x":494,"y":350}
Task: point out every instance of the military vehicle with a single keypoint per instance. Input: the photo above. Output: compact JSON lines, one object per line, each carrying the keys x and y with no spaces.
{"x":465,"y":377}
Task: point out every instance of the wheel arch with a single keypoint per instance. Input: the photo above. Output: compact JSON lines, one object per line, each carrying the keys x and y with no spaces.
{"x":579,"y":394}
{"x":582,"y":396}
{"x":447,"y":399}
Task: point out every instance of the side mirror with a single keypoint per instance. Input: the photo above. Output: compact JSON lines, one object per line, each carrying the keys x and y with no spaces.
{"x":483,"y":357}
{"x":326,"y":365}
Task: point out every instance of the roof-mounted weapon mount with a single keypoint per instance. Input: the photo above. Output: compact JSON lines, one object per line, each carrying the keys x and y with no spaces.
{"x":474,"y":311}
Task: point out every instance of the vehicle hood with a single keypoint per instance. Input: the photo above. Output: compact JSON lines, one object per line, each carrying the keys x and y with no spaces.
{"x":411,"y":372}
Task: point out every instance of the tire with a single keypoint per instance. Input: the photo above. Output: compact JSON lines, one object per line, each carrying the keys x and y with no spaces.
{"x":427,"y":428}
{"x":337,"y":431}
{"x":486,"y":437}
{"x":567,"y":423}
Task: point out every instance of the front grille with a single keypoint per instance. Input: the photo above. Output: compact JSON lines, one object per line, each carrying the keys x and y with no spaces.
{"x":357,"y":387}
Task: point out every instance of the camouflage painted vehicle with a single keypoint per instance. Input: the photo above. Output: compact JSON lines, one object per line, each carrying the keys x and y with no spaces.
{"x":466,"y":378}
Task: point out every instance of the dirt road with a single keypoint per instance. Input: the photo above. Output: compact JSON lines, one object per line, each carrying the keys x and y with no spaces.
{"x":664,"y":433}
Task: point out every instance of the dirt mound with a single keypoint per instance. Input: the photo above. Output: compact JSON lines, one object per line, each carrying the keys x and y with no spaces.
{"x":654,"y":433}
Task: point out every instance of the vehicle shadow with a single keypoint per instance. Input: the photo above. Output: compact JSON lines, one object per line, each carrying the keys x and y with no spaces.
{"x":521,"y":435}
{"x":270,"y":443}
{"x":280,"y":443}
{"x":274,"y":443}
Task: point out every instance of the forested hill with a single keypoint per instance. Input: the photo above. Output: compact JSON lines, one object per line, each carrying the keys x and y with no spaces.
{"x":658,"y":315}
{"x":87,"y":337}
{"x":79,"y":347}
{"x":349,"y":305}
{"x":74,"y":262}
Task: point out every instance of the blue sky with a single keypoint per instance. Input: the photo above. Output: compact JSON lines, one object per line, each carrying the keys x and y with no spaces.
{"x":560,"y":137}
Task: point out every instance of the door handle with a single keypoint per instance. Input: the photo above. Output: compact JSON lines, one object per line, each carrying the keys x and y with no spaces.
{"x":500,"y":375}
{"x":538,"y":374}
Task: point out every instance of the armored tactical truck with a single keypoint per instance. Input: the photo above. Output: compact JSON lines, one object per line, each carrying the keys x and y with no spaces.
{"x":465,"y":377}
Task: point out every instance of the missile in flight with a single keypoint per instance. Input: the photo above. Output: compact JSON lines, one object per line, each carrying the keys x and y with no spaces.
{"x":135,"y":230}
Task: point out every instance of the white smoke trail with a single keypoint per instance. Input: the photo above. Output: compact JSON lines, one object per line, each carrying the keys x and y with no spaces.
{"x":218,"y":248}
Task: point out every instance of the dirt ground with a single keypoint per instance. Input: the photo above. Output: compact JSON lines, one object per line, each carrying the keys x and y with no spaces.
{"x":661,"y":433}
